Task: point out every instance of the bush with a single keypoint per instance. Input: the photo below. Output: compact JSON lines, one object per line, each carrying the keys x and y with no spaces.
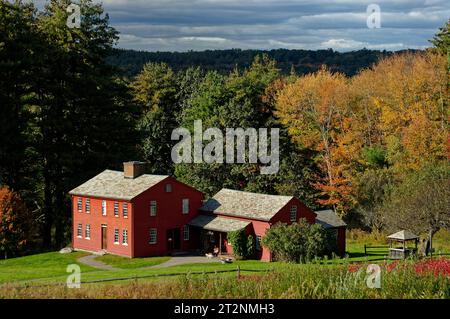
{"x":243,"y":247}
{"x":238,"y":241}
{"x":298,"y":242}
{"x":251,"y":248}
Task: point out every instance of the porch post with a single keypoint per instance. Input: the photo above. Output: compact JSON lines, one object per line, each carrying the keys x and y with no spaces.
{"x":220,"y":243}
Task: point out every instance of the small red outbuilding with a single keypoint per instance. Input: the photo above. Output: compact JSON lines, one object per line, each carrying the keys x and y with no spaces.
{"x":230,"y":209}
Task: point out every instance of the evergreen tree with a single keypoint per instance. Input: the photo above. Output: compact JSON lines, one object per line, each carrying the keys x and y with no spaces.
{"x":82,"y":118}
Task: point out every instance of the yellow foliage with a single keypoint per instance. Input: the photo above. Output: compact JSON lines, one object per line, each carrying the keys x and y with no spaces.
{"x":400,"y":105}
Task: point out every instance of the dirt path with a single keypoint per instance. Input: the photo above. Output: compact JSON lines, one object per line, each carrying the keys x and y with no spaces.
{"x":90,"y":261}
{"x":182,"y":260}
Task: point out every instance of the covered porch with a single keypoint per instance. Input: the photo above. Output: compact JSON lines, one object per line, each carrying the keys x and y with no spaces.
{"x":213,"y":233}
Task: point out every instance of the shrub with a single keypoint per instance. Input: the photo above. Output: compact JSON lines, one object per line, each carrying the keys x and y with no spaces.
{"x":238,"y":241}
{"x":243,"y":247}
{"x":251,"y":248}
{"x":298,"y":242}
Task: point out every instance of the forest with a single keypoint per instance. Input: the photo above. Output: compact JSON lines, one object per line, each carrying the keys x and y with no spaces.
{"x":365,"y":133}
{"x":225,"y":61}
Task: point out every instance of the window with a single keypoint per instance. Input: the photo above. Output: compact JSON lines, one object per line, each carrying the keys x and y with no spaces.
{"x":124,"y":237}
{"x":168,"y":188}
{"x":80,"y":204}
{"x":87,"y":232}
{"x":125,"y":210}
{"x":116,"y":235}
{"x":116,"y":209}
{"x":79,"y":231}
{"x":186,"y":232}
{"x":153,"y":236}
{"x":104,"y":208}
{"x":153,"y":208}
{"x":186,"y":206}
{"x":87,"y":205}
{"x":293,"y":213}
{"x":258,"y":242}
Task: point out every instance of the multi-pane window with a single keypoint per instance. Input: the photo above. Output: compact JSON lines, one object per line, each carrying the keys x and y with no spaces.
{"x":79,"y":230}
{"x":124,"y":237}
{"x":125,"y":210}
{"x":153,"y":208}
{"x":116,"y":236}
{"x":185,"y":205}
{"x":116,"y":209}
{"x":87,"y":231}
{"x":104,"y":208}
{"x":80,"y":204}
{"x":186,"y":232}
{"x":87,"y":205}
{"x":293,"y":215}
{"x":168,"y":188}
{"x":258,"y":242}
{"x":152,"y":234}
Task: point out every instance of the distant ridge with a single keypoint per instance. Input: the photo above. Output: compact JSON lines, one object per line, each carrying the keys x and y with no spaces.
{"x":224,"y":61}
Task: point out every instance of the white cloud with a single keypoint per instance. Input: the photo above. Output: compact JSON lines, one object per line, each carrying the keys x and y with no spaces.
{"x":180,"y":25}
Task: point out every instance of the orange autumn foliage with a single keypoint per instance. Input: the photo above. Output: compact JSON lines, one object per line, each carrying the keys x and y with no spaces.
{"x":15,"y":221}
{"x":400,"y":105}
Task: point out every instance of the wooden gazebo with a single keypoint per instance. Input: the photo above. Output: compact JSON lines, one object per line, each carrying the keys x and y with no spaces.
{"x":402,"y":252}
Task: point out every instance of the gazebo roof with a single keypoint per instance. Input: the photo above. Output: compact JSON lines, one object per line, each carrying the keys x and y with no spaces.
{"x":403,"y":235}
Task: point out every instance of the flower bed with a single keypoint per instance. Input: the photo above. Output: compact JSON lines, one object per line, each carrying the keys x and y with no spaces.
{"x":438,"y":266}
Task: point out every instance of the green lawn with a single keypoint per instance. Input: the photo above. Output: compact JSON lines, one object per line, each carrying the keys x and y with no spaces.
{"x":51,"y":267}
{"x":46,"y":265}
{"x":131,"y":263}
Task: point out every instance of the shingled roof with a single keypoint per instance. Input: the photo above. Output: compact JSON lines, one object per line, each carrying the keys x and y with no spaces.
{"x":112,"y":184}
{"x":218,"y":223}
{"x":403,"y":235}
{"x":329,"y":219}
{"x":244,"y":204}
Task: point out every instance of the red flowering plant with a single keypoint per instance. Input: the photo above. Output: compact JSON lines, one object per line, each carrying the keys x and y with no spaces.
{"x":439,"y":266}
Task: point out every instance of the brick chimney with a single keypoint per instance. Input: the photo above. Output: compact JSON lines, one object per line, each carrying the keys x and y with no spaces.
{"x":133,"y":169}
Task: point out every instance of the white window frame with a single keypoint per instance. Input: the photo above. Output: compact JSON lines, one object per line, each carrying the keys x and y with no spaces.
{"x":104,"y":208}
{"x":80,"y":231}
{"x":168,"y":188}
{"x":125,"y":237}
{"x":79,"y":204}
{"x":87,"y":232}
{"x":153,"y":208}
{"x":116,"y":236}
{"x":186,"y":232}
{"x":185,"y":206}
{"x":258,"y":243}
{"x":125,"y":210}
{"x":153,"y":236}
{"x":87,"y":205}
{"x":293,"y":213}
{"x":116,"y":209}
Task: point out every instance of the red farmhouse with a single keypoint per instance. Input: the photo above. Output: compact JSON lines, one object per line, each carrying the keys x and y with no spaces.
{"x":134,"y":214}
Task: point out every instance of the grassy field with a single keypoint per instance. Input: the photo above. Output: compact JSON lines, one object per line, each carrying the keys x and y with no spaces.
{"x":44,"y":275}
{"x":46,"y":265}
{"x":131,"y":263}
{"x":286,"y":281}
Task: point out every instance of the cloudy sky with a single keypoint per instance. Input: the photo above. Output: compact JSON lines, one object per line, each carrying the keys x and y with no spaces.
{"x":180,"y":25}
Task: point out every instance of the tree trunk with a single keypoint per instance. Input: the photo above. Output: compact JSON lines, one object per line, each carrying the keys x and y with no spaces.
{"x":427,"y":244}
{"x":60,"y":218}
{"x":430,"y":238}
{"x":48,"y":213}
